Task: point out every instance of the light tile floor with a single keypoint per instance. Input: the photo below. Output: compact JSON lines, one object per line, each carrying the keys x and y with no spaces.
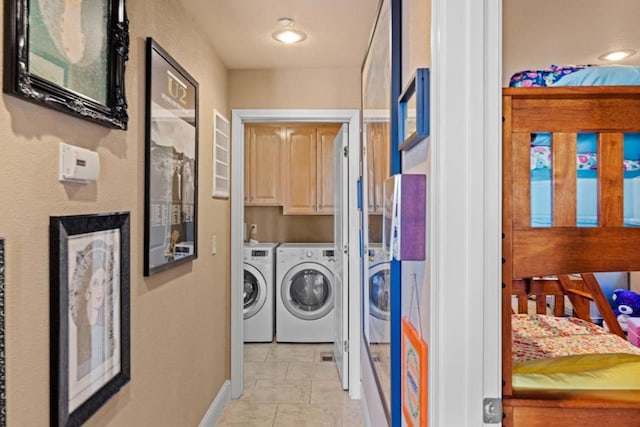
{"x":289,"y":385}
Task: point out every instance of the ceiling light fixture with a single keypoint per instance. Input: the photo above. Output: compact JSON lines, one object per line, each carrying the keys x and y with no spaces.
{"x":617,"y":55}
{"x":288,"y":34}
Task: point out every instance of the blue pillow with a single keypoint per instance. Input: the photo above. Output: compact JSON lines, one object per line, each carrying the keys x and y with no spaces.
{"x":610,"y":75}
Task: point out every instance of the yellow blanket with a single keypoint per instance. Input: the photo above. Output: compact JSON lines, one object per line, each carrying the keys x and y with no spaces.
{"x":556,"y":358}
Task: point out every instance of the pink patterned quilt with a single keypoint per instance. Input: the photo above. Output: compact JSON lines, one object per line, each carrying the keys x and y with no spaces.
{"x":537,"y":336}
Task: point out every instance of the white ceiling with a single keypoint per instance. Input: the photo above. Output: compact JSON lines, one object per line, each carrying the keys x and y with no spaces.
{"x":338,"y":31}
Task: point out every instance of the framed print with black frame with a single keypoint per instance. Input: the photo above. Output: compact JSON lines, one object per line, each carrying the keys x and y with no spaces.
{"x":69,"y":56}
{"x":171,"y":164}
{"x":90,"y":314}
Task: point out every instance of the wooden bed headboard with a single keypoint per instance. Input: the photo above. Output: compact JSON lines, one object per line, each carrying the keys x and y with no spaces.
{"x":608,"y":111}
{"x":563,"y":248}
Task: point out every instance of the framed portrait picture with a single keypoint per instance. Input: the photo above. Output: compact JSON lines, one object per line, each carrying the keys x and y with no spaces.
{"x":90,"y":326}
{"x":69,"y":56}
{"x":171,"y":166}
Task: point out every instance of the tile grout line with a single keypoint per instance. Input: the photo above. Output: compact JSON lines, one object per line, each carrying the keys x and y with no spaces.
{"x":275,"y":415}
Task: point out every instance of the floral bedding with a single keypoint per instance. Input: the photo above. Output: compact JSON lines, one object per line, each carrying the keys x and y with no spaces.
{"x":537,"y":78}
{"x":541,"y":159}
{"x":537,"y":336}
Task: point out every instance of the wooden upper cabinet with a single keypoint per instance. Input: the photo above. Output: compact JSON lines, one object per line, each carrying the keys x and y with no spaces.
{"x":300,"y":171}
{"x":325,"y":165}
{"x":378,"y":159}
{"x":290,"y":165}
{"x":262,"y":168}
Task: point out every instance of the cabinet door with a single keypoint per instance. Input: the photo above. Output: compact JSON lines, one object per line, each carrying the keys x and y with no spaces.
{"x":368,"y":134}
{"x":380,"y":139}
{"x":247,"y":166}
{"x":324,"y":183}
{"x":300,"y":171}
{"x":266,"y":151}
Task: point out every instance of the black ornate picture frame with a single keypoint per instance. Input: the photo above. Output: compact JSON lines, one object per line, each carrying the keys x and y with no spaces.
{"x":69,"y":56}
{"x":90,"y":313}
{"x":171,"y":163}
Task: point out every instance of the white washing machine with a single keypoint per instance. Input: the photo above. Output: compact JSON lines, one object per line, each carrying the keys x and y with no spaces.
{"x":258,"y":290}
{"x":379,"y":290}
{"x":305,"y":292}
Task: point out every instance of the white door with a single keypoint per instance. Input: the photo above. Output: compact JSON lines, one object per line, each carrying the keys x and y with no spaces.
{"x":341,"y":239}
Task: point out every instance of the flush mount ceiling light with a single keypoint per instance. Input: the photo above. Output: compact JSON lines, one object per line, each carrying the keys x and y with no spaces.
{"x":617,"y":55}
{"x":287,"y":34}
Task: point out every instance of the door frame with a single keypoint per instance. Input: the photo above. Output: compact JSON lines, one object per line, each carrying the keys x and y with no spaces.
{"x":238,"y":118}
{"x":465,"y":247}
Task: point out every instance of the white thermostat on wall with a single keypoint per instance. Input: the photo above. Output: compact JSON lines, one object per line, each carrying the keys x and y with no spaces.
{"x":78,"y":164}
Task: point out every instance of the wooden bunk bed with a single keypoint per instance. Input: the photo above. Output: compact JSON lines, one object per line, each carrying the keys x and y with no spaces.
{"x":564,"y":248}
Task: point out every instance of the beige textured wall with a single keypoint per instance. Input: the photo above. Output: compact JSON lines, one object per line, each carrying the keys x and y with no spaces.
{"x":536,"y":35}
{"x":179,"y":318}
{"x":295,"y":88}
{"x":416,"y":37}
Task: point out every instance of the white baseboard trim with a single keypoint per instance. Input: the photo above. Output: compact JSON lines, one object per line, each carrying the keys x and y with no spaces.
{"x":217,"y":406}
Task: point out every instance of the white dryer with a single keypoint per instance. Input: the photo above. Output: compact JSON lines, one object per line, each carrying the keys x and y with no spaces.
{"x":258,"y":290}
{"x":379,"y":290}
{"x":305,"y":292}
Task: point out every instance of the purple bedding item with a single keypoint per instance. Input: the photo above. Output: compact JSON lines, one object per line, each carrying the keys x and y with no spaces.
{"x":537,"y":78}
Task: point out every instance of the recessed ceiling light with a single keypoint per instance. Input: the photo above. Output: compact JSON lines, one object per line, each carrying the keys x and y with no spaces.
{"x":617,"y":55}
{"x":288,"y":34}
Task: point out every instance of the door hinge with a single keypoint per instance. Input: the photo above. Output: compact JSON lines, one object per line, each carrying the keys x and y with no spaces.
{"x":346,"y":346}
{"x":492,"y":410}
{"x":345,"y":150}
{"x":346,"y":249}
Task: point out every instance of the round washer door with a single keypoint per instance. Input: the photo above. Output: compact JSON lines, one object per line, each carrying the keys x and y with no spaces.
{"x":307,"y":291}
{"x":379,"y":281}
{"x":254,"y":291}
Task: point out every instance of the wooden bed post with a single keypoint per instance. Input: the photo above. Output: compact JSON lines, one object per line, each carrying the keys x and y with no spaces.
{"x":506,"y":248}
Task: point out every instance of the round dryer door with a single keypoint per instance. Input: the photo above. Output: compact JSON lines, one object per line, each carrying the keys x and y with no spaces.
{"x":379,"y":283}
{"x":307,"y":291}
{"x":254,"y":291}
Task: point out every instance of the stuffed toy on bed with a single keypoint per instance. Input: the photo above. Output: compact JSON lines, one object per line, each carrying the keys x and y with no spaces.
{"x":625,"y":304}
